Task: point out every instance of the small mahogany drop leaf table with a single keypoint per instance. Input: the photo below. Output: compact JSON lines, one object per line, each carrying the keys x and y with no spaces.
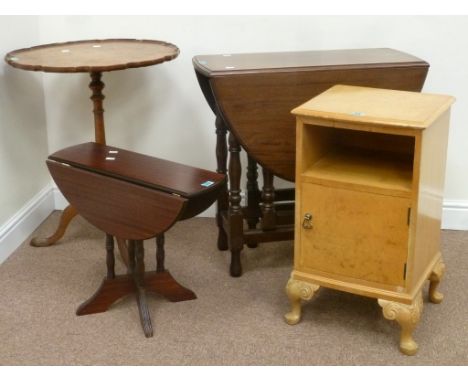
{"x":132,"y":197}
{"x":93,"y":57}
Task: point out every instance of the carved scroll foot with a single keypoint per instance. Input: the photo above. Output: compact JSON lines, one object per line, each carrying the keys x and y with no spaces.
{"x":407,"y":317}
{"x":434,"y":279}
{"x":67,"y":215}
{"x":297,"y":291}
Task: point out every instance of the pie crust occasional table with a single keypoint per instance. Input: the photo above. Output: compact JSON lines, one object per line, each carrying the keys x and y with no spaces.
{"x":93,"y":57}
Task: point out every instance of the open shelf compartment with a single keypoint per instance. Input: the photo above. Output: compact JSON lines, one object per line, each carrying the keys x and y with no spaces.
{"x":359,"y":160}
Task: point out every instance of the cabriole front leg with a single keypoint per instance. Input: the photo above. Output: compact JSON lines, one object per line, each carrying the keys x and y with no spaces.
{"x":298,"y":291}
{"x":434,"y":280}
{"x":407,"y":317}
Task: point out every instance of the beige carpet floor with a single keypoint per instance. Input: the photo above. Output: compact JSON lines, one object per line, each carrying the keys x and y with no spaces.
{"x":234,"y":321}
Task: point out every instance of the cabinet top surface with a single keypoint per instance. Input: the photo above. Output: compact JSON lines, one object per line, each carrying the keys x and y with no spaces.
{"x":225,"y":64}
{"x":376,"y":106}
{"x":92,"y":55}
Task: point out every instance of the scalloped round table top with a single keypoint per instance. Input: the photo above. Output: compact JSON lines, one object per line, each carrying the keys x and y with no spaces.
{"x":92,"y":55}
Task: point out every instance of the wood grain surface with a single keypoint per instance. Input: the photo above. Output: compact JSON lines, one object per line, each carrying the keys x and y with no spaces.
{"x":140,"y":169}
{"x":389,"y":213}
{"x":255,"y":93}
{"x":225,"y":64}
{"x":376,"y":106}
{"x":92,"y":55}
{"x":356,"y":234}
{"x":117,"y":207}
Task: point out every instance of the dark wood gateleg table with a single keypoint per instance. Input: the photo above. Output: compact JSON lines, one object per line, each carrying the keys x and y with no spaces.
{"x":93,"y":57}
{"x":252,"y":95}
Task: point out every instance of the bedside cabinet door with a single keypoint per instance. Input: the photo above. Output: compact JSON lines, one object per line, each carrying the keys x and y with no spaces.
{"x":354,"y":234}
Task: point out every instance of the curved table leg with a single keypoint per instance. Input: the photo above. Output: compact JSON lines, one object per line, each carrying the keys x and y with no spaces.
{"x":407,"y":316}
{"x":67,"y":215}
{"x":109,"y":292}
{"x":298,"y":290}
{"x":163,"y":284}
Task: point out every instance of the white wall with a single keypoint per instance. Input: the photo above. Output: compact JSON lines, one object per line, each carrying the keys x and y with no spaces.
{"x":23,"y":133}
{"x":161,"y":111}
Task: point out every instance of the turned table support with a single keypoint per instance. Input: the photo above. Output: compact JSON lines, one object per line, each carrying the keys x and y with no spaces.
{"x":221,"y":159}
{"x":236,"y":218}
{"x":96,"y":86}
{"x":253,"y":193}
{"x":268,"y":198}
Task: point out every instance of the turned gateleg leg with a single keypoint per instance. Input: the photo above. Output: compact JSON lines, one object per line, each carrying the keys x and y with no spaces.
{"x":253,"y":193}
{"x":67,"y":215}
{"x":253,"y":197}
{"x":407,"y":316}
{"x":434,"y":279}
{"x":268,"y":199}
{"x":160,"y":254}
{"x":235,"y":215}
{"x":221,"y":159}
{"x":297,"y":291}
{"x":138,"y":276}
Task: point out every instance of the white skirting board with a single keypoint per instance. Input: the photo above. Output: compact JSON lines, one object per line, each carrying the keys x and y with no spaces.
{"x":455,"y":215}
{"x":33,"y":213}
{"x":25,"y":221}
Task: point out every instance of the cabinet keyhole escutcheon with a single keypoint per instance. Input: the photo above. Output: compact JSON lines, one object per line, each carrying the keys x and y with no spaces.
{"x":307,"y":222}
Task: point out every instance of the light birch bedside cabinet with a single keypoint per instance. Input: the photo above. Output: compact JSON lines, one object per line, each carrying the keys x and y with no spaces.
{"x":370,"y":167}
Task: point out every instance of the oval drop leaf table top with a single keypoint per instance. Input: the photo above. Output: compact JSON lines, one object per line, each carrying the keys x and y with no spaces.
{"x":92,"y":55}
